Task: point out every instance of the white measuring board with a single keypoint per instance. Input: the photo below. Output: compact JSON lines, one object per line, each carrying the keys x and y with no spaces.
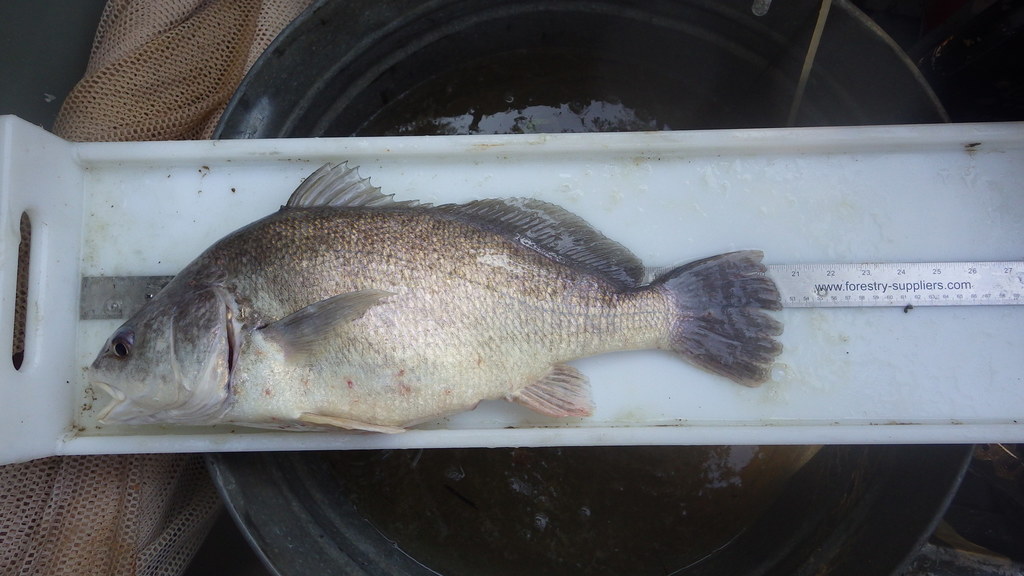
{"x":812,"y":196}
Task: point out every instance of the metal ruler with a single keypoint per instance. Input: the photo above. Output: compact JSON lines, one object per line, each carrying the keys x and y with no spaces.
{"x":899,"y":284}
{"x":801,"y":286}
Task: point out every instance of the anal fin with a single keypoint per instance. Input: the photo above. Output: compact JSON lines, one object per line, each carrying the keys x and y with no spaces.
{"x":562,"y":391}
{"x":347,"y":423}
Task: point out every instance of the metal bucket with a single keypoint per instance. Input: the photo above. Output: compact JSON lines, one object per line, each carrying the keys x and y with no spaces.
{"x":364,"y":67}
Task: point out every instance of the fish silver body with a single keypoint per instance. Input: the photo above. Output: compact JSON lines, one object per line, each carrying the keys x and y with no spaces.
{"x":347,"y":309}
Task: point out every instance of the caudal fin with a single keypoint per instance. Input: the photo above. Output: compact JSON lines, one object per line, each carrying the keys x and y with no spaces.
{"x":721,"y":326}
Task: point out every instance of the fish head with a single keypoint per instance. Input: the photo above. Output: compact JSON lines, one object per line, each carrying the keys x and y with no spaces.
{"x":172,"y":361}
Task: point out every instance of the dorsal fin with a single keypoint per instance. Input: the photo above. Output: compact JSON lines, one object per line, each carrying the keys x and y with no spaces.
{"x":554,"y":232}
{"x":339,"y":186}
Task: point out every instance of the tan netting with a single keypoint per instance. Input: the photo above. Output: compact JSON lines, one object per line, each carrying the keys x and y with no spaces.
{"x":139,"y":514}
{"x":165,"y":69}
{"x":159,"y":70}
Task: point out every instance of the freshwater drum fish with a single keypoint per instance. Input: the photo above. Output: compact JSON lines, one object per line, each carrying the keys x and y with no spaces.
{"x":347,"y":309}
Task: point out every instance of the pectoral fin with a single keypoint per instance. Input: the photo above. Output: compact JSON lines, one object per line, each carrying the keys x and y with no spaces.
{"x":562,"y":391}
{"x":347,"y":424}
{"x":304,"y":331}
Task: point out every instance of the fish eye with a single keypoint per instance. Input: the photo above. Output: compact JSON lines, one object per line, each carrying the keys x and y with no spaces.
{"x":121,"y":343}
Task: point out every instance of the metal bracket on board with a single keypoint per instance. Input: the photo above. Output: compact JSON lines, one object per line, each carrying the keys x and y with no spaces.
{"x":117,"y":297}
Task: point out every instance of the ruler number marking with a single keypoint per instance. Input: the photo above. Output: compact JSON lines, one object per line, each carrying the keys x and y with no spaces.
{"x":891,"y":284}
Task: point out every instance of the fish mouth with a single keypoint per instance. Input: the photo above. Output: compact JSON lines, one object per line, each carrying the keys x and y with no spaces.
{"x":117,"y":399}
{"x":123,"y":410}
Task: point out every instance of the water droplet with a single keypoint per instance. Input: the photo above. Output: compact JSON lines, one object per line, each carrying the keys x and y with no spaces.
{"x":780,"y":372}
{"x":455,"y":473}
{"x":521,"y":486}
{"x":540,"y":521}
{"x":760,"y":7}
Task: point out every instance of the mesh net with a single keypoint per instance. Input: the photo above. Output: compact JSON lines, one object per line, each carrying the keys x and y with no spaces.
{"x":159,"y":70}
{"x":165,"y":69}
{"x":138,"y":514}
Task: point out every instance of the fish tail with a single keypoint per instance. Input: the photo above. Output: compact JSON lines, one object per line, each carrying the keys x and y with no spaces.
{"x":720,"y":325}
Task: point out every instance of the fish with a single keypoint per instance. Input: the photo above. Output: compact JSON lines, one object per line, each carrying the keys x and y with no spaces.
{"x":348,"y":309}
